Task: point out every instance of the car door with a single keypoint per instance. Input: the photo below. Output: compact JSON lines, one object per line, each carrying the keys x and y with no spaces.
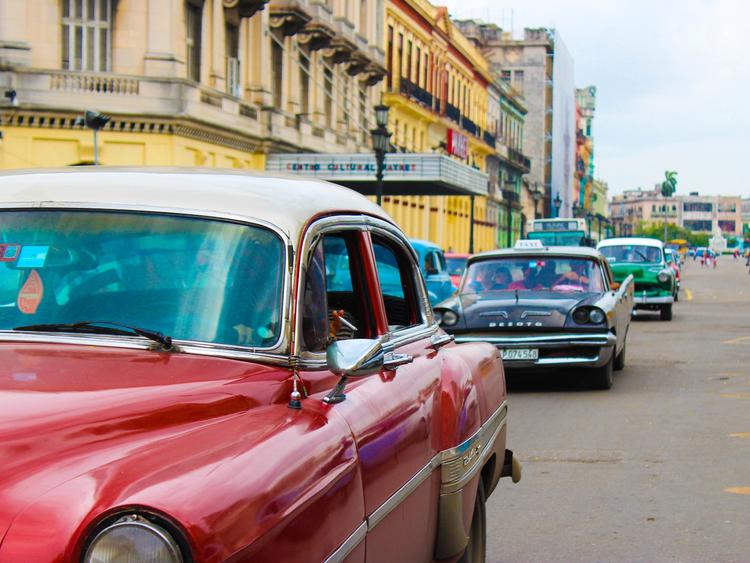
{"x":393,"y":414}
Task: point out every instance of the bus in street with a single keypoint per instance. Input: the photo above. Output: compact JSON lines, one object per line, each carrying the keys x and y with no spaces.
{"x":561,"y":232}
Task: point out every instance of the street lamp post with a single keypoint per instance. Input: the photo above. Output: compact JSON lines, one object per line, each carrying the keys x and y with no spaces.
{"x":94,"y":121}
{"x":557,"y":202}
{"x":380,"y":141}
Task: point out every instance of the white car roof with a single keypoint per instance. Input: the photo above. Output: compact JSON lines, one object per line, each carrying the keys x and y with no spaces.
{"x":629,"y":241}
{"x":288,"y":203}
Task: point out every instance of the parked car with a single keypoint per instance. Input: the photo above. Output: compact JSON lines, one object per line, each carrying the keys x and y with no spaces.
{"x":456,"y":262}
{"x":181,"y":383}
{"x":673,"y":259}
{"x":544,"y":307}
{"x":434,"y":269}
{"x":644,"y":259}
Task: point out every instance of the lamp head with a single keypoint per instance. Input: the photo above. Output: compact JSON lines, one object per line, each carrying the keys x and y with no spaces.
{"x":381,"y":115}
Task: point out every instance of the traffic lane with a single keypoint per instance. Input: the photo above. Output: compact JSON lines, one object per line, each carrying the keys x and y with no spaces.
{"x":639,"y":472}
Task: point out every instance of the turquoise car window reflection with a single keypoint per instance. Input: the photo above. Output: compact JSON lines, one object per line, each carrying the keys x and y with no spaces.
{"x":190,"y":278}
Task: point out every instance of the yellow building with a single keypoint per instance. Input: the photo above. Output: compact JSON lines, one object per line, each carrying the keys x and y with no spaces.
{"x":436,"y":87}
{"x":187,"y":82}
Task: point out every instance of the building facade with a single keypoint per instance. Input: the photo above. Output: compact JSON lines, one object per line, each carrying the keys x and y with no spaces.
{"x":709,"y":214}
{"x":437,"y":90}
{"x":539,"y":67}
{"x":187,"y":82}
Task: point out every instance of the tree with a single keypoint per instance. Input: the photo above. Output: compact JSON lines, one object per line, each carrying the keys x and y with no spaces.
{"x":669,"y":185}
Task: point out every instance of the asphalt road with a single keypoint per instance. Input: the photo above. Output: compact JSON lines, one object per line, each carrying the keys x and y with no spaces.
{"x":655,"y":469}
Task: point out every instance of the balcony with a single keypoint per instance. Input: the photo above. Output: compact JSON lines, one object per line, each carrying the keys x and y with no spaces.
{"x":511,"y":197}
{"x":410,"y":89}
{"x":469,"y":125}
{"x":489,"y":138}
{"x":519,"y":158}
{"x":452,"y":113}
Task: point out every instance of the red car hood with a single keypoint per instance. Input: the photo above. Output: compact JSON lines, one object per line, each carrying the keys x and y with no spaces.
{"x":68,"y":409}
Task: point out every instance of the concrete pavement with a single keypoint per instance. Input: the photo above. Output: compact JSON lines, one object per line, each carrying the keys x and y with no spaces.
{"x":655,"y":469}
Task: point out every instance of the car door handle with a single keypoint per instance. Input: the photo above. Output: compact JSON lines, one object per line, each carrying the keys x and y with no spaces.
{"x":392,"y":360}
{"x":437,"y":341}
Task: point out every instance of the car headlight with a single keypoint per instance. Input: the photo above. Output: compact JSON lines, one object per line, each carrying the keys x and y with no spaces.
{"x":663,"y":276}
{"x":133,"y":538}
{"x":581,"y":316}
{"x":597,"y":316}
{"x":589,"y":315}
{"x":449,"y":318}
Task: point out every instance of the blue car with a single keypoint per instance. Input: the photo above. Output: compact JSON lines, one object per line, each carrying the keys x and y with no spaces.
{"x":434,"y":271}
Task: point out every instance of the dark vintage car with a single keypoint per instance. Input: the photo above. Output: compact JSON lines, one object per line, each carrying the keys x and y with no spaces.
{"x":204,"y":366}
{"x":544,"y":307}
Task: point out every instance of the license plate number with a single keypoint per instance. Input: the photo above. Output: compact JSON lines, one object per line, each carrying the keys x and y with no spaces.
{"x":520,"y":354}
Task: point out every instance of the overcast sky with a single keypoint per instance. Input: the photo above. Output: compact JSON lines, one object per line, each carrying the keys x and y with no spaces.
{"x":672,"y":78}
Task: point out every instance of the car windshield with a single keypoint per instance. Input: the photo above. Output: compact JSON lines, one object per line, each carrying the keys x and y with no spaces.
{"x":632,"y":253}
{"x":456,"y":266}
{"x":561,"y":274}
{"x":192,"y":279}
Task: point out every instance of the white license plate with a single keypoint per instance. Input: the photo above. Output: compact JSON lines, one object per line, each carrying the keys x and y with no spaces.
{"x":520,"y":354}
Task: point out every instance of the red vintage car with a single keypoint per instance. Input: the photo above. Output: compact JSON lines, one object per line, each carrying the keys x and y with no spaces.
{"x":205,"y":366}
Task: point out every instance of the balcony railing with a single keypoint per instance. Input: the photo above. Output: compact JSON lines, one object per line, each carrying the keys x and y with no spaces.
{"x":489,"y":138}
{"x":409,"y":88}
{"x":517,"y":156}
{"x":452,"y":113}
{"x":469,"y":125}
{"x":511,"y":196}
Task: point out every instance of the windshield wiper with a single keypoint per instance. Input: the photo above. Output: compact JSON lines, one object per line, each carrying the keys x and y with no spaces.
{"x":95,"y":327}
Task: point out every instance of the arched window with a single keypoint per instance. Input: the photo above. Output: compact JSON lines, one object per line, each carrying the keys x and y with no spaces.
{"x":87,"y":35}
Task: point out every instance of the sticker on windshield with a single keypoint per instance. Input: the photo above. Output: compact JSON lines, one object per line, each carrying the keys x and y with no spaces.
{"x":9,"y":252}
{"x":32,"y":256}
{"x":31,"y":294}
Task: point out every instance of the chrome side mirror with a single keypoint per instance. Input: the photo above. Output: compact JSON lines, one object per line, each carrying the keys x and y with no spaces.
{"x":356,"y":357}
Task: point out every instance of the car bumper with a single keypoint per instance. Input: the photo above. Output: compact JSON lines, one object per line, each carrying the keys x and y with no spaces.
{"x":555,"y":350}
{"x":653,"y":300}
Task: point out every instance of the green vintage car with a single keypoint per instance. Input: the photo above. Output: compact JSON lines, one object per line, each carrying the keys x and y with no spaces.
{"x":655,"y":284}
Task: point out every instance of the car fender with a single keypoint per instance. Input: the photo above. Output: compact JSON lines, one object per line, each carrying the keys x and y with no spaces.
{"x":472,"y":404}
{"x":240,"y":488}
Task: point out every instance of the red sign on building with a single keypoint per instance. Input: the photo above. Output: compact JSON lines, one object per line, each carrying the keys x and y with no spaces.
{"x":457,"y":144}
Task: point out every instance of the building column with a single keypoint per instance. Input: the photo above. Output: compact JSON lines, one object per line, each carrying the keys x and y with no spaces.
{"x":165,"y":44}
{"x":14,"y":46}
{"x":218,"y":46}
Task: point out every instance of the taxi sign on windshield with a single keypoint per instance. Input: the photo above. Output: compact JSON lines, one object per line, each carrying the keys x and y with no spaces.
{"x":527,"y":244}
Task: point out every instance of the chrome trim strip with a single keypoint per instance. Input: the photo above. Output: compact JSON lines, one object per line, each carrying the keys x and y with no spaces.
{"x":543,"y":340}
{"x":494,"y":423}
{"x":461,"y":463}
{"x":134,"y":343}
{"x":349,"y":544}
{"x":653,"y":300}
{"x":409,"y":487}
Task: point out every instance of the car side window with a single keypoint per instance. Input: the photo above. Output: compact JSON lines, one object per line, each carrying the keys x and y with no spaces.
{"x":441,"y":262}
{"x":430,"y":264}
{"x":397,"y":285}
{"x":608,"y":276}
{"x":335,"y":305}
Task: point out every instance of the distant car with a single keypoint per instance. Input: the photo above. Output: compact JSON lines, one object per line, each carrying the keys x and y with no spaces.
{"x":203,"y":366}
{"x":645,"y":260}
{"x":456,"y":266}
{"x":673,"y":259}
{"x":544,"y":307}
{"x":434,"y":269}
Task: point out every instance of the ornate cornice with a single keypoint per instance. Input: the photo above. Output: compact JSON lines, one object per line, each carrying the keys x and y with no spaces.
{"x":357,"y":63}
{"x":316,"y":35}
{"x":290,"y":18}
{"x":246,"y":8}
{"x":340,"y":50}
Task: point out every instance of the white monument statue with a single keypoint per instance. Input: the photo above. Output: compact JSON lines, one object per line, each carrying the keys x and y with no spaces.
{"x":717,"y":243}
